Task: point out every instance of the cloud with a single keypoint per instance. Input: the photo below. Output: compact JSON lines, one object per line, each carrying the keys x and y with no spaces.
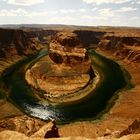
{"x":92,"y":16}
{"x":24,"y":2}
{"x":60,"y":20}
{"x":23,"y":12}
{"x":126,"y":9}
{"x":82,"y":10}
{"x":98,"y":2}
{"x":138,"y":2}
{"x":94,"y":9}
{"x":11,"y":13}
{"x":107,"y":12}
{"x":89,"y":17}
{"x":66,"y":11}
{"x":134,"y":18}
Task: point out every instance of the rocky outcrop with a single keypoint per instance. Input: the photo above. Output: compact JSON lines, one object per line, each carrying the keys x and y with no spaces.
{"x":23,"y":124}
{"x":47,"y":131}
{"x":65,"y":71}
{"x":68,"y":39}
{"x":68,"y":48}
{"x":29,"y":126}
{"x":124,"y":47}
{"x":44,"y":36}
{"x":16,"y":42}
{"x":23,"y":41}
{"x":90,"y":38}
{"x":134,"y":128}
{"x":12,"y":135}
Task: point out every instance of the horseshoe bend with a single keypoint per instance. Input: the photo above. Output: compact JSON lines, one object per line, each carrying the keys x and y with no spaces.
{"x":85,"y":78}
{"x":65,"y":72}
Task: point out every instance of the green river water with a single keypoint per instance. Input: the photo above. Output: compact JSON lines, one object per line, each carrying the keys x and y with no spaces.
{"x":112,"y":79}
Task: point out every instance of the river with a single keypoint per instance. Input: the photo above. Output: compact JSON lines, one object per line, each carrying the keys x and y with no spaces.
{"x":90,"y":107}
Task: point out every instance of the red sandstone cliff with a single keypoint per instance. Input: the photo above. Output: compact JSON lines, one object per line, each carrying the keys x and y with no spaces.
{"x":17,"y":42}
{"x":89,"y":37}
{"x":123,"y":46}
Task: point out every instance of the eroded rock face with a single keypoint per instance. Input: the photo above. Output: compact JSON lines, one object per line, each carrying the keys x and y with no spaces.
{"x":30,"y":126}
{"x":23,"y":124}
{"x":12,"y":135}
{"x":90,"y":38}
{"x":134,"y":128}
{"x":66,"y":48}
{"x":17,"y":42}
{"x":68,"y":39}
{"x":124,"y":47}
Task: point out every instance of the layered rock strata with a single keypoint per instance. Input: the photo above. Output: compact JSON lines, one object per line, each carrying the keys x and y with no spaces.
{"x":16,"y":44}
{"x":123,"y":46}
{"x":30,"y":127}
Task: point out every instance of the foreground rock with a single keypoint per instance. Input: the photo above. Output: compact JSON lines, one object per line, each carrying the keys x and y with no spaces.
{"x":134,"y":128}
{"x":12,"y":135}
{"x":30,"y":127}
{"x":26,"y":131}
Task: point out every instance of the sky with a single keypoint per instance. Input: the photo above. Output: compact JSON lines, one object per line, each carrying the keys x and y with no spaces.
{"x":71,"y":12}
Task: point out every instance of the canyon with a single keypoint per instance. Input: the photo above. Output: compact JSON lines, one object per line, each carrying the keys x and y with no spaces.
{"x":65,"y":71}
{"x":119,"y":44}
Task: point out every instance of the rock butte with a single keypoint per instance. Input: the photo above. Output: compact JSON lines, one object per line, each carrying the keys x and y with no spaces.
{"x":64,"y":71}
